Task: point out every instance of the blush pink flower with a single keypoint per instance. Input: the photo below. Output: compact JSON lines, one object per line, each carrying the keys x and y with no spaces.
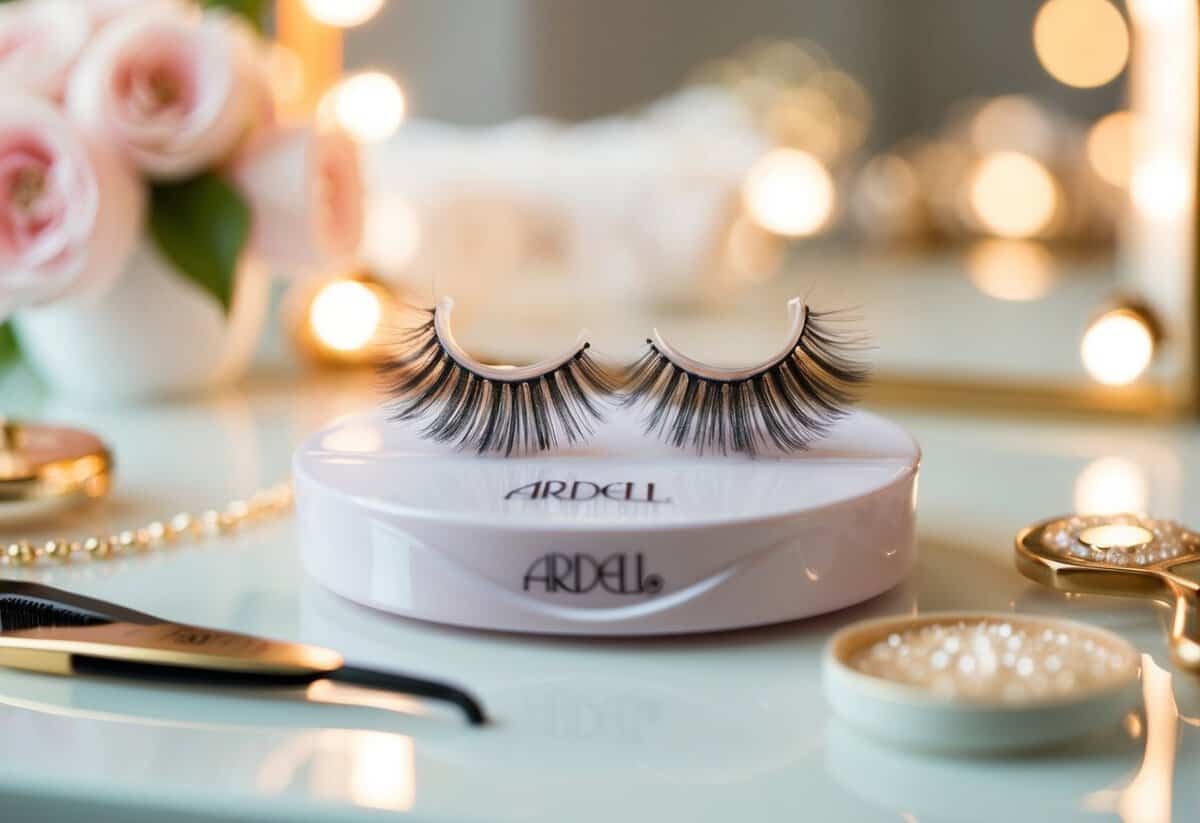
{"x":103,"y":12}
{"x":39,"y":42}
{"x":306,"y":192}
{"x":70,"y":211}
{"x":173,"y":89}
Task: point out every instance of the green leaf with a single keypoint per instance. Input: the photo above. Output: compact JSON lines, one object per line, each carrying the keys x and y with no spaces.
{"x":253,"y":10}
{"x":10,"y":349}
{"x":202,"y":226}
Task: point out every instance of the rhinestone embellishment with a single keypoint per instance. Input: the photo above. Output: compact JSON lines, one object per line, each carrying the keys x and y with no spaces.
{"x":1073,"y":538}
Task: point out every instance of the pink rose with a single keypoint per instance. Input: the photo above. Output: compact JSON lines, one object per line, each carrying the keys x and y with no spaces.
{"x":39,"y":42}
{"x":103,"y":12}
{"x":173,"y":89}
{"x":306,"y":192}
{"x":70,"y":211}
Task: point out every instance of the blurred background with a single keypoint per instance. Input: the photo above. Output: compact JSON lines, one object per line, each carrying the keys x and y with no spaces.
{"x":1002,"y":193}
{"x":483,"y":62}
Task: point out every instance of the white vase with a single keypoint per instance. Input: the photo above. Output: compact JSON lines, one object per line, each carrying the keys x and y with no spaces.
{"x":153,"y":335}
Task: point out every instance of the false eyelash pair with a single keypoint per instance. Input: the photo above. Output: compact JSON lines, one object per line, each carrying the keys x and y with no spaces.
{"x":789,"y":401}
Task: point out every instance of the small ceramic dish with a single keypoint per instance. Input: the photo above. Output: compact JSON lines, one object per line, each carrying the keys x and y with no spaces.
{"x":979,"y":682}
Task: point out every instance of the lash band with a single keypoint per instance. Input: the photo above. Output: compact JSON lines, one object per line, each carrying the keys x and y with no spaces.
{"x":798,"y":313}
{"x":500,"y":374}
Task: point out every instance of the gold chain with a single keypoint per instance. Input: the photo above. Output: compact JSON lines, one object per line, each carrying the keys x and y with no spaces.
{"x":264,"y":505}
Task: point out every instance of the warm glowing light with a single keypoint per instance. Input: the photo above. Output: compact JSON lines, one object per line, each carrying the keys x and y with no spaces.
{"x":1083,"y":43}
{"x":370,"y":106}
{"x":1012,"y":123}
{"x":341,"y":694}
{"x":1148,"y":797}
{"x":1160,"y":188}
{"x":1108,"y":147}
{"x":1159,"y":12}
{"x":343,"y":13}
{"x":1162,"y":13}
{"x":1116,"y":536}
{"x":806,"y":118}
{"x":1013,"y":195}
{"x":1011,"y":269}
{"x":383,"y":771}
{"x":1117,"y":348}
{"x":392,"y":236}
{"x":376,"y":770}
{"x":1111,"y":485}
{"x":360,"y":439}
{"x":789,"y":192}
{"x":345,"y":315}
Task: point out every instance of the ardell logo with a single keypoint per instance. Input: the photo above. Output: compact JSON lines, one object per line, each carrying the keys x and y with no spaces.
{"x":579,"y":490}
{"x":618,"y":573}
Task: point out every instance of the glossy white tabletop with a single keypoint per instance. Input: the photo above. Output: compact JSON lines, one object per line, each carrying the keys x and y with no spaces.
{"x":715,"y":727}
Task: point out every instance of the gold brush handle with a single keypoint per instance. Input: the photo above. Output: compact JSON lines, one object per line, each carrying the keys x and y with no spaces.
{"x":73,"y":649}
{"x":1185,"y":628}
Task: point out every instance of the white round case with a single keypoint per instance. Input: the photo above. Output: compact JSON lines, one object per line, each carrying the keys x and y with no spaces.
{"x":619,"y":536}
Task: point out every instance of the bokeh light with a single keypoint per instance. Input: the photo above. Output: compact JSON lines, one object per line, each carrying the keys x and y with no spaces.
{"x":1161,"y":188}
{"x":1015,"y":270}
{"x":345,"y":315}
{"x":343,"y":13}
{"x":1108,"y":147}
{"x":1111,"y":485}
{"x":1117,"y":347}
{"x":807,"y":118}
{"x":1159,"y":12}
{"x":370,"y":106}
{"x":789,"y":192}
{"x":392,"y":235}
{"x":1013,"y":195}
{"x":1012,"y":122}
{"x":1082,"y":43}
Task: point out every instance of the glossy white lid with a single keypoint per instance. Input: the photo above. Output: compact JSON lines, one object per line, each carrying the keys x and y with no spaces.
{"x":401,"y":523}
{"x":388,"y":465}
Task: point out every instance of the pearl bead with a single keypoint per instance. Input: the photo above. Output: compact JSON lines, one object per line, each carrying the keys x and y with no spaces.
{"x":987,"y":661}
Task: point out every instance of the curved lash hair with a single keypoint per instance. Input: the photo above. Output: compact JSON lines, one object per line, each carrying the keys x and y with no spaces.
{"x":789,"y":403}
{"x":483,"y":413}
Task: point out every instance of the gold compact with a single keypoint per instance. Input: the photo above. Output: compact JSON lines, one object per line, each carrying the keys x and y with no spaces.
{"x":45,"y":469}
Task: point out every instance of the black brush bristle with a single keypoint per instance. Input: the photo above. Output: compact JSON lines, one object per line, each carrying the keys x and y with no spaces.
{"x":473,"y":412}
{"x":18,"y":613}
{"x":789,"y":404}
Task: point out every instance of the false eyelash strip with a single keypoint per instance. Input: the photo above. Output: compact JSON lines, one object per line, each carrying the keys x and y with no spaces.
{"x":490,"y":408}
{"x":790,"y":402}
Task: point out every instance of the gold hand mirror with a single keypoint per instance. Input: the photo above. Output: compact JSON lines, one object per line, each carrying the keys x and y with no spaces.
{"x":44,"y":469}
{"x":1128,"y":555}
